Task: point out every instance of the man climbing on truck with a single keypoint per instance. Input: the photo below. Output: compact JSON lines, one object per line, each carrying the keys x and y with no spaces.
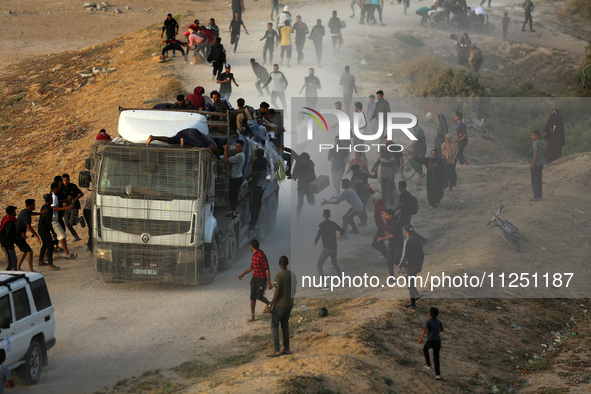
{"x":188,"y":138}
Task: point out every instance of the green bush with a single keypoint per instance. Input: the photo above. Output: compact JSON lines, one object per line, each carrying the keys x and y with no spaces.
{"x":577,"y":132}
{"x":583,"y":74}
{"x":426,"y":77}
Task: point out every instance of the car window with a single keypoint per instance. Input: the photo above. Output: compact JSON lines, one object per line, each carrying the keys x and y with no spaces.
{"x":40,"y":294}
{"x":22,"y":308}
{"x":5,"y":307}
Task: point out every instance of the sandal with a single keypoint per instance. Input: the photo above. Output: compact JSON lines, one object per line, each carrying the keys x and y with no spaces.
{"x":250,"y":319}
{"x":42,"y":264}
{"x":71,"y":256}
{"x":274,"y":355}
{"x":53,"y":267}
{"x":286,"y":351}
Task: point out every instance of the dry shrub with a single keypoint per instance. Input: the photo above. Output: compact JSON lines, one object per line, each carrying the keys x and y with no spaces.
{"x":579,"y":7}
{"x":426,"y":77}
{"x":172,"y":88}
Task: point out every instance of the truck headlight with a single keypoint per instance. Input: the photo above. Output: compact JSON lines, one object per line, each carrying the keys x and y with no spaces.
{"x":103,"y":254}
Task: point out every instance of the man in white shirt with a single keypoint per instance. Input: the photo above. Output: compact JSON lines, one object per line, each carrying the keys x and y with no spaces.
{"x":278,"y":84}
{"x":59,"y":230}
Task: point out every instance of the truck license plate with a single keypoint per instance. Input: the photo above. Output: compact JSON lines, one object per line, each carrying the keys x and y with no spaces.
{"x":138,"y":271}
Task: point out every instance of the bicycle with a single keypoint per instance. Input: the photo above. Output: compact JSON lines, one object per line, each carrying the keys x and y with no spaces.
{"x":407,"y":171}
{"x":509,"y":231}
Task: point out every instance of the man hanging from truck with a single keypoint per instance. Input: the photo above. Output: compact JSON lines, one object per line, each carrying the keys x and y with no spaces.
{"x":237,"y":162}
{"x":188,"y":138}
{"x":259,"y":174}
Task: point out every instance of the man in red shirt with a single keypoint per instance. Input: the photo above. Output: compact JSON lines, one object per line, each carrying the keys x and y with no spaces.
{"x":261,"y":277}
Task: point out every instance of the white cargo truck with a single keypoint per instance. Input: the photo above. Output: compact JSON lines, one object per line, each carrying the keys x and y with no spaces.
{"x":159,"y":211}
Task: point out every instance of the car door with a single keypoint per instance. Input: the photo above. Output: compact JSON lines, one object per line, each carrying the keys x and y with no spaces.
{"x":22,"y":326}
{"x":7,"y":333}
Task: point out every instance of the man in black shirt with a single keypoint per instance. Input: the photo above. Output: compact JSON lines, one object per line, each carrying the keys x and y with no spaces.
{"x":74,"y":194}
{"x":301,"y":29}
{"x":238,"y":7}
{"x":47,"y":233}
{"x":171,"y":27}
{"x":327,"y":231}
{"x":312,"y":84}
{"x":406,"y":206}
{"x":182,"y":103}
{"x":225,"y":80}
{"x":23,"y":223}
{"x":413,"y":260}
{"x":234,"y":30}
{"x":262,"y":75}
{"x":359,"y":181}
{"x":382,"y":108}
{"x":396,"y":240}
{"x":316,"y":35}
{"x":304,"y":174}
{"x":338,"y":156}
{"x":405,"y":201}
{"x":259,"y":174}
{"x":271,"y":38}
{"x":334,"y":25}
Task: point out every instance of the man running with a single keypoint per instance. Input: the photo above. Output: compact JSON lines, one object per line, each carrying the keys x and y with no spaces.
{"x":279,"y":84}
{"x":312,"y":85}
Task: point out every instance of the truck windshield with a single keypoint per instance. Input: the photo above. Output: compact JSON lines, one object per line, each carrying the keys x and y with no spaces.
{"x":149,"y":174}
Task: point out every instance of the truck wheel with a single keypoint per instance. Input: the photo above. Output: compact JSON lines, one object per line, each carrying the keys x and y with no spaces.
{"x":30,"y":372}
{"x":211,"y":263}
{"x":230,"y":252}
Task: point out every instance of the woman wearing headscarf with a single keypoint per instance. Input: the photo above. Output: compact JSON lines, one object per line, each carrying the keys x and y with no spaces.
{"x":449,"y":153}
{"x":434,"y":177}
{"x":554,"y":132}
{"x":463,"y":49}
{"x":441,"y":132}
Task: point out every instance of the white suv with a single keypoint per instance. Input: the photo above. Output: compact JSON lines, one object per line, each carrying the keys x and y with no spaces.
{"x":27,"y":326}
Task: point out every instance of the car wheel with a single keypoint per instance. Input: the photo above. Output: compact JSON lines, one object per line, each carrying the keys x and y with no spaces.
{"x":30,"y":372}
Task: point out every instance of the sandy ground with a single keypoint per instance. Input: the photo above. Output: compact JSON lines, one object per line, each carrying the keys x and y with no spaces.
{"x":107,"y":332}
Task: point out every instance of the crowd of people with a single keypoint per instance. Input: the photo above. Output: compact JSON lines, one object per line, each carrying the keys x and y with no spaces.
{"x":59,"y":212}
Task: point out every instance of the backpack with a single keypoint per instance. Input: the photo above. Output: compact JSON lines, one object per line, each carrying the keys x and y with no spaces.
{"x":216,"y":53}
{"x":414,"y":205}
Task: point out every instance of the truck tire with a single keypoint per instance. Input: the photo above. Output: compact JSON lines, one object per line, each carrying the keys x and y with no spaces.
{"x":231,"y":247}
{"x":30,"y":372}
{"x":211,"y":261}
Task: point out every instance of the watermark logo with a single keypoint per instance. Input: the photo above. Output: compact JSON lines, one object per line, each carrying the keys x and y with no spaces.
{"x":392,"y":120}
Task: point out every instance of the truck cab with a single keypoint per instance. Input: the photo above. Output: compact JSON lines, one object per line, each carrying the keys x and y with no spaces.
{"x":159,"y":211}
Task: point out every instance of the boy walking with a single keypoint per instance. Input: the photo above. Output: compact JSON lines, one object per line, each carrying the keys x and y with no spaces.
{"x":432,"y":327}
{"x":540,"y":146}
{"x":505,"y":22}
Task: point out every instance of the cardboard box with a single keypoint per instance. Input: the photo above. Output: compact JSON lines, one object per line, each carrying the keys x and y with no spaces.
{"x":319,"y":184}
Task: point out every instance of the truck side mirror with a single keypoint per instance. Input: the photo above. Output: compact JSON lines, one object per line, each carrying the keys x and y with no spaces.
{"x":4,"y":323}
{"x":84,"y":179}
{"x":88,"y":163}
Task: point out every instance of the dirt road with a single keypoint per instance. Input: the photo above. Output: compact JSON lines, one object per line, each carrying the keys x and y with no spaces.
{"x":107,"y":332}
